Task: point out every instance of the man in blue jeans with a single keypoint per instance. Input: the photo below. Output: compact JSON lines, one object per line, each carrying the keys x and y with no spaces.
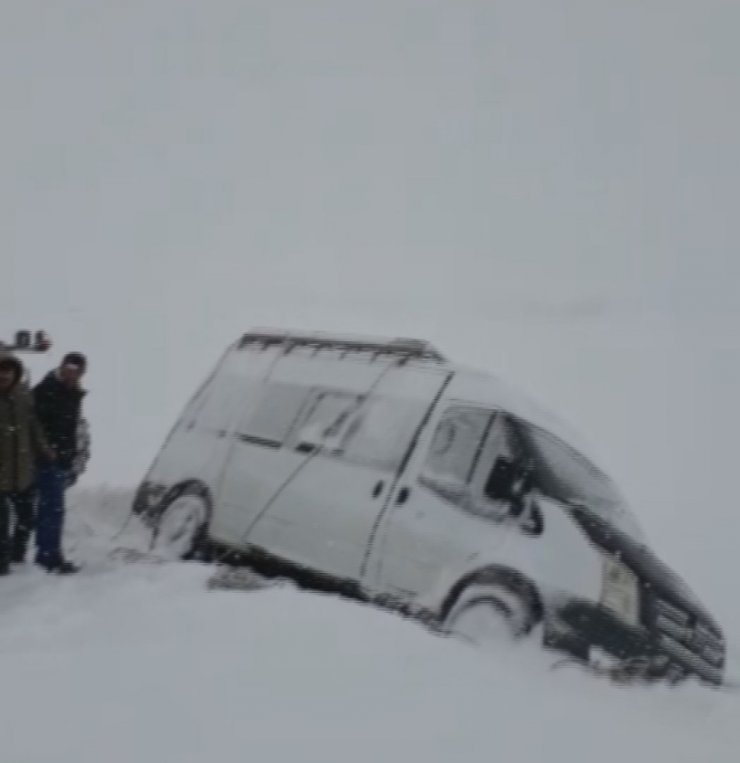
{"x":58,"y":403}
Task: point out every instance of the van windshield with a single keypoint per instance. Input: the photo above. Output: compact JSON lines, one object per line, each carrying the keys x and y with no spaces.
{"x":564,"y":474}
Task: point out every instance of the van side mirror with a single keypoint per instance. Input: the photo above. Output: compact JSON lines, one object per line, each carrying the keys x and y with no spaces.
{"x":500,"y":480}
{"x":509,"y":481}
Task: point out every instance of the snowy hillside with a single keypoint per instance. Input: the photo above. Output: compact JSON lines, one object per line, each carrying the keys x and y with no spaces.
{"x":140,"y":662}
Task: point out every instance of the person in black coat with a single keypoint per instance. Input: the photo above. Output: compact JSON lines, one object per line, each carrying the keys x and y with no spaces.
{"x":58,"y":403}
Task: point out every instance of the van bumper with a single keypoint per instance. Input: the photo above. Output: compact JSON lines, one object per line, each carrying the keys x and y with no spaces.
{"x":668,"y":658}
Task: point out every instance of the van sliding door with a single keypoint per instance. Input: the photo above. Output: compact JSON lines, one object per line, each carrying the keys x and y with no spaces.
{"x":349,"y":448}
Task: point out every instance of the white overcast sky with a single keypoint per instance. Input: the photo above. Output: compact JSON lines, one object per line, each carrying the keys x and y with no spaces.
{"x":173,"y":172}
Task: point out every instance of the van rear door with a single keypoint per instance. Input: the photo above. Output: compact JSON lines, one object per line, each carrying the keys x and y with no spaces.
{"x":350,"y":450}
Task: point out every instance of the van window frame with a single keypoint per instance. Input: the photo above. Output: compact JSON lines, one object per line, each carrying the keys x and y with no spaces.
{"x":447,"y":488}
{"x":469,"y":495}
{"x":242,"y":429}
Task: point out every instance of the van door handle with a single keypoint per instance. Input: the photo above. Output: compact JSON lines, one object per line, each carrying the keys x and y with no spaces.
{"x":378,"y":489}
{"x":403,"y":496}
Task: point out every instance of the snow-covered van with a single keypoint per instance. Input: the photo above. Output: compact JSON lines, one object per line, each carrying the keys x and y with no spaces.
{"x":378,"y":469}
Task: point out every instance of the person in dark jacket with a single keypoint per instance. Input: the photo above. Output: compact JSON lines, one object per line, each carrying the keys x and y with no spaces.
{"x":22,"y":445}
{"x":58,"y":401}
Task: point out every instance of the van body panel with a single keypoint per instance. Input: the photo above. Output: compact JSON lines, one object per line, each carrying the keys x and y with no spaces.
{"x":198,"y":445}
{"x":480,"y":544}
{"x":330,"y":369}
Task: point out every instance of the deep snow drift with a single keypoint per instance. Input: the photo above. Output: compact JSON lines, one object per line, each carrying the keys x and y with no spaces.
{"x":141,"y":662}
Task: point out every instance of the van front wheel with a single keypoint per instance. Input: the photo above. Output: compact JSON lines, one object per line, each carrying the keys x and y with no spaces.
{"x":180,"y":531}
{"x":489,"y":613}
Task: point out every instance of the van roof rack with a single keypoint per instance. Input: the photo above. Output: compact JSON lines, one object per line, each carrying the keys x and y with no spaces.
{"x":409,"y":348}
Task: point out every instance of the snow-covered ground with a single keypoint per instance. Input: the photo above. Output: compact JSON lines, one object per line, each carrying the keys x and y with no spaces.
{"x":142,"y":662}
{"x":545,"y":190}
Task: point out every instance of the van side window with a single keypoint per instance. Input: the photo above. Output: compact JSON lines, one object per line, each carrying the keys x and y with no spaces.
{"x":381,"y":431}
{"x":274,"y":415}
{"x":457,"y":445}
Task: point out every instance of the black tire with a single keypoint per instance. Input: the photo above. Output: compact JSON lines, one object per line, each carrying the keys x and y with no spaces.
{"x":499,"y":598}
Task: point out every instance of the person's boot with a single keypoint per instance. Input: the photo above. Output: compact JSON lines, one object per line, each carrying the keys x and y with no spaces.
{"x":65,"y":567}
{"x":18,"y":556}
{"x":57,"y":565}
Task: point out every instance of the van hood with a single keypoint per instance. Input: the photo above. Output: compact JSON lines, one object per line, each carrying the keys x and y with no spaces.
{"x":662,"y":581}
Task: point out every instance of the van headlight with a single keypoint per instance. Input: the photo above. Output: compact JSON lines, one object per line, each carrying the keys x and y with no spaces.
{"x":620,"y":591}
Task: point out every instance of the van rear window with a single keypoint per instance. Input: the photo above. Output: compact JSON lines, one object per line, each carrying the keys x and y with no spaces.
{"x":275,"y":414}
{"x":375,"y":432}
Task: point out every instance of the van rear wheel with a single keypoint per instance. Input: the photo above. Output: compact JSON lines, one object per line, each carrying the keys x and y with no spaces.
{"x":490,"y":613}
{"x":180,"y":532}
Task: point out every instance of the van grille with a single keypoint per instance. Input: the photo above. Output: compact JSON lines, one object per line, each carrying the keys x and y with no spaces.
{"x":681,"y":627}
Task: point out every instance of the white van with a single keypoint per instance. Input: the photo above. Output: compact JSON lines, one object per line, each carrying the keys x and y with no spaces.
{"x":378,"y":469}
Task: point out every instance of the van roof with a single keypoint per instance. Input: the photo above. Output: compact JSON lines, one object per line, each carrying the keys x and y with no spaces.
{"x":473,"y":385}
{"x":476,"y":386}
{"x":417,"y":349}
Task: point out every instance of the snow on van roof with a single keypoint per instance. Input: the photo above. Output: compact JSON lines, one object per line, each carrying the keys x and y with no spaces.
{"x":409,"y":347}
{"x":471,"y":384}
{"x":484,"y":387}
